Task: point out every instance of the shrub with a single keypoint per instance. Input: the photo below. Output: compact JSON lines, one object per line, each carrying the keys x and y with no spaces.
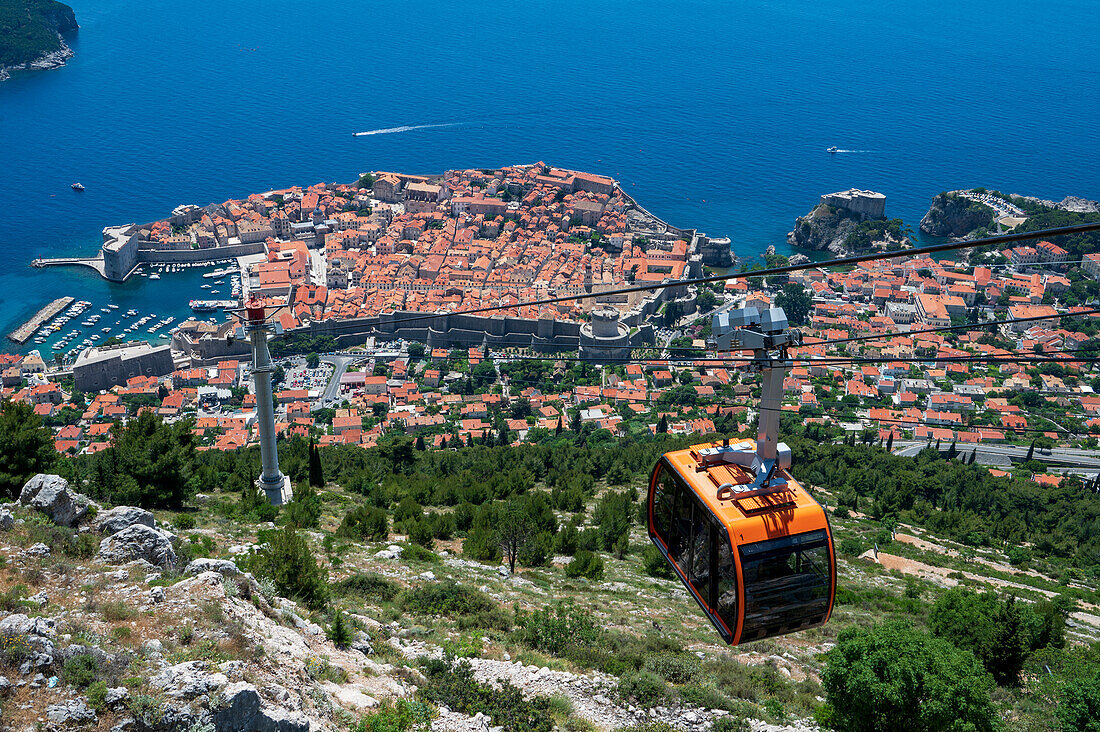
{"x":565,"y":541}
{"x":677,"y":668}
{"x":850,"y":546}
{"x":415,"y":553}
{"x":116,"y":611}
{"x":402,"y":715}
{"x":184,"y":521}
{"x":366,"y":523}
{"x":552,"y":628}
{"x":304,"y":512}
{"x":289,"y":563}
{"x":536,"y":552}
{"x":453,"y":685}
{"x":421,"y":533}
{"x":407,"y":509}
{"x":80,"y":670}
{"x":904,"y":680}
{"x":655,"y":564}
{"x":97,"y":695}
{"x":339,"y":632}
{"x":446,"y":598}
{"x":368,"y":586}
{"x":585,"y":564}
{"x":643,"y":688}
{"x":483,"y":545}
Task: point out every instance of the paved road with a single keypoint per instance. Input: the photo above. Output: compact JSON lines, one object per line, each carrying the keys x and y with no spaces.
{"x":332,"y":391}
{"x":1070,"y":458}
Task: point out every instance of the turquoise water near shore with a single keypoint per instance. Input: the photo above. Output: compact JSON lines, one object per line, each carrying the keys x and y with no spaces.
{"x":712,"y":114}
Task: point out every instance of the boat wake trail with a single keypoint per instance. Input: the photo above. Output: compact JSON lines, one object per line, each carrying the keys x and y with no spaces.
{"x":857,"y":151}
{"x":403,"y":128}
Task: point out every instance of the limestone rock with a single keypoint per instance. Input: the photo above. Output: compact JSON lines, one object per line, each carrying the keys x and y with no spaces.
{"x":243,"y":712}
{"x":138,"y":542}
{"x":221,"y":566}
{"x":37,"y":550}
{"x":71,"y":712}
{"x":188,"y":680}
{"x":6,"y":520}
{"x":51,"y":495}
{"x":122,"y":517}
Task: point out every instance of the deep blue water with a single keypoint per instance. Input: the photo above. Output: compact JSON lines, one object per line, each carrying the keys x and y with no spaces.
{"x":713,"y":114}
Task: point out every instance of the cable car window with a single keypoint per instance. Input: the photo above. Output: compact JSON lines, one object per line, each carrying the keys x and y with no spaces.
{"x":787,"y":582}
{"x":664,"y":495}
{"x":679,"y":548}
{"x":726,"y":604}
{"x":701,"y":550}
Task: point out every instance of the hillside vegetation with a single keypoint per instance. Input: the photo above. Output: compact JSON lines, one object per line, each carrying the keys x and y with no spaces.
{"x":514,"y":586}
{"x":29,"y":29}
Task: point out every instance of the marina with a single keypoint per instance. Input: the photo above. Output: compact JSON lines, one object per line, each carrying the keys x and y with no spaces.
{"x":23,"y":333}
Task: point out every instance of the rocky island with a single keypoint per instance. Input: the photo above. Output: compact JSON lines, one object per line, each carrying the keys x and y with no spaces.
{"x":979,"y":212}
{"x":30,"y":35}
{"x":848,"y":221}
{"x":955,"y":214}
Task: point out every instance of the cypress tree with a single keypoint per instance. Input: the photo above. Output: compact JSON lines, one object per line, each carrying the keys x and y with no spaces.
{"x":1030,"y":452}
{"x":557,"y":430}
{"x":973,"y":456}
{"x":420,"y":443}
{"x":890,"y":442}
{"x":316,"y":475}
{"x":952,"y":451}
{"x":443,"y":442}
{"x":662,"y":425}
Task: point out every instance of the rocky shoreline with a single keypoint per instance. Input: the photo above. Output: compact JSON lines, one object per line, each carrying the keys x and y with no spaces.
{"x":52,"y":60}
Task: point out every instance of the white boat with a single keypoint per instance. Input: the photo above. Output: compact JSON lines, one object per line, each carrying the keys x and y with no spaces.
{"x":154,"y":276}
{"x":832,"y":149}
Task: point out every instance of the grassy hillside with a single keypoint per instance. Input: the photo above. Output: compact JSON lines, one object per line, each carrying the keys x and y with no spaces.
{"x":29,"y":28}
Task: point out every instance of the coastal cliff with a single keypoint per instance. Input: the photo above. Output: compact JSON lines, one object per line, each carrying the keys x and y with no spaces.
{"x":30,"y":35}
{"x":842,"y":232}
{"x":954,"y":215}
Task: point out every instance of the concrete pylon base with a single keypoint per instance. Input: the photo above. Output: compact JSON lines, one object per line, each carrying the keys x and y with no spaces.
{"x":277,"y":495}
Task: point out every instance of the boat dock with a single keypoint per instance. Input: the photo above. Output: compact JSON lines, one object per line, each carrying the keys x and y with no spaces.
{"x":21,"y":334}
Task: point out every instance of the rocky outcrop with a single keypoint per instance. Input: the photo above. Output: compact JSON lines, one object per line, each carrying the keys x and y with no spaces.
{"x":243,"y":712}
{"x":122,"y":517}
{"x":953,"y":215}
{"x":138,"y":542}
{"x":72,"y":712}
{"x":51,"y":495}
{"x":221,"y":566}
{"x":824,"y":227}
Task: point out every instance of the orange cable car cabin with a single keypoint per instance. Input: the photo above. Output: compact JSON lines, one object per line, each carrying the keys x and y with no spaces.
{"x":749,"y":543}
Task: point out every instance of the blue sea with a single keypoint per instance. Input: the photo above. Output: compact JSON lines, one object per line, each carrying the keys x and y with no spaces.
{"x":713,"y":114}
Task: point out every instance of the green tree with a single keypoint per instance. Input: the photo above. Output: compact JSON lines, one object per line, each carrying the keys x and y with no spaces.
{"x":367,"y":523}
{"x":797,"y":302}
{"x":26,"y":447}
{"x":288,"y":562}
{"x":149,"y":464}
{"x":316,"y":474}
{"x":416,"y":350}
{"x":515,"y":530}
{"x":365,"y":181}
{"x":304,"y":512}
{"x":1079,"y":704}
{"x":896,"y":678}
{"x":339,"y":632}
{"x":312,"y":360}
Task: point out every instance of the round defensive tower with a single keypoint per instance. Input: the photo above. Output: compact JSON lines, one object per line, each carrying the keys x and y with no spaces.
{"x":604,"y":338}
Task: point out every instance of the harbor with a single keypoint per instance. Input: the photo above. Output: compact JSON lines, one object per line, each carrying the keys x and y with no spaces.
{"x":23,"y":333}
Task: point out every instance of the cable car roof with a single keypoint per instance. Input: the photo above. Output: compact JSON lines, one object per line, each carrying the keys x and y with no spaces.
{"x":753,"y":516}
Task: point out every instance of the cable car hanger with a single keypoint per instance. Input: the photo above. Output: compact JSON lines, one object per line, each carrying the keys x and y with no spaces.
{"x":751,"y":545}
